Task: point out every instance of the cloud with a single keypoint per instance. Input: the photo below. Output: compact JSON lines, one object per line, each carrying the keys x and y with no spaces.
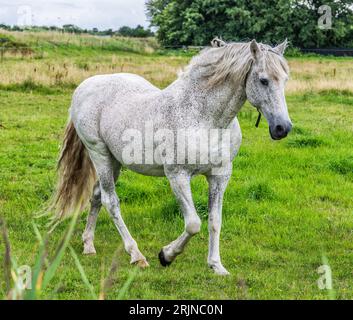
{"x":103,"y":14}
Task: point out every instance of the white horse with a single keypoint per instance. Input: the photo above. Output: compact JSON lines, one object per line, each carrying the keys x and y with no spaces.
{"x":207,"y":95}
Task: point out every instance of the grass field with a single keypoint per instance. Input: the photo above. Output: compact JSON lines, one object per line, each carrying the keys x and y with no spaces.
{"x":288,"y":206}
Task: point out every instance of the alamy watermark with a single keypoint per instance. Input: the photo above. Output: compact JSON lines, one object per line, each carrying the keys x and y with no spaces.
{"x":22,"y":277}
{"x":192,"y":146}
{"x":325,"y":280}
{"x":325,"y":20}
{"x":24,"y":16}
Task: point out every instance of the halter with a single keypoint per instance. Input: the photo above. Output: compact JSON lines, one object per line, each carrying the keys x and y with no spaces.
{"x":258,"y":119}
{"x":267,"y":50}
{"x":259,"y":116}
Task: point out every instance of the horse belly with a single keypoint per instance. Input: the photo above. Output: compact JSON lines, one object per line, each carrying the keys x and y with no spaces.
{"x":205,"y":156}
{"x":147,"y":169}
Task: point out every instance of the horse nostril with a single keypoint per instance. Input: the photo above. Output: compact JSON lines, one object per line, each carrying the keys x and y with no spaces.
{"x":279,"y":129}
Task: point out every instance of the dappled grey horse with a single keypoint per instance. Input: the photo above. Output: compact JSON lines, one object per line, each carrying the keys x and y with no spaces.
{"x":207,"y":95}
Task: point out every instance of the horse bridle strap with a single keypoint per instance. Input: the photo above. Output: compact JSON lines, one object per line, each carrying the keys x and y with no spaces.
{"x":259,"y":116}
{"x":258,"y":120}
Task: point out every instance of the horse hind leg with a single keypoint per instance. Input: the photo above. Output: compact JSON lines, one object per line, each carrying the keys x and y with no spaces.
{"x":88,"y":235}
{"x":96,"y":205}
{"x":105,"y":167}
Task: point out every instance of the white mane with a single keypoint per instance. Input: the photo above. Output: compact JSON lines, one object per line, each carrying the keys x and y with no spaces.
{"x":234,"y":60}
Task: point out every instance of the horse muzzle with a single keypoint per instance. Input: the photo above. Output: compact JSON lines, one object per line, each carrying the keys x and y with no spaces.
{"x":279,"y":130}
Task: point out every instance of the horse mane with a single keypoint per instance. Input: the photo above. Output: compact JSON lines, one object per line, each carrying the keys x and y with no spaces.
{"x":234,"y":61}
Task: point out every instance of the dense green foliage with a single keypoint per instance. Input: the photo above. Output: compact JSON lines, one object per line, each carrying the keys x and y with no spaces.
{"x":185,"y":22}
{"x":10,"y":42}
{"x":138,"y":31}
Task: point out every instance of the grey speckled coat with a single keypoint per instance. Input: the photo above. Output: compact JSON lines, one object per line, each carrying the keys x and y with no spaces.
{"x":208,"y":95}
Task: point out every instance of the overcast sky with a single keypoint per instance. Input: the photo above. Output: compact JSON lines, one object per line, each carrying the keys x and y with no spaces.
{"x":103,"y":14}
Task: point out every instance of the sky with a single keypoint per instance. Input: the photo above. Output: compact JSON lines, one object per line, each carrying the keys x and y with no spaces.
{"x":102,"y":14}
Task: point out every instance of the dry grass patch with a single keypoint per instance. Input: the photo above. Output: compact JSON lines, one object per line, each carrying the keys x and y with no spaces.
{"x":320,"y":74}
{"x":68,"y":59}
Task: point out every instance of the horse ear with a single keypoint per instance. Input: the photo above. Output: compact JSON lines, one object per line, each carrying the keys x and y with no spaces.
{"x":281,"y":47}
{"x":255,"y":50}
{"x":217,"y":43}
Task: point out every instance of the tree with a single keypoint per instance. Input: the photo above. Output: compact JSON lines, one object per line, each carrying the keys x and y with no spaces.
{"x":71,"y":28}
{"x":184,"y":22}
{"x":139,"y":31}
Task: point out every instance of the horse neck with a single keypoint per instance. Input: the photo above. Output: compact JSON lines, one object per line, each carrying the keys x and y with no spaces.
{"x":213,"y":107}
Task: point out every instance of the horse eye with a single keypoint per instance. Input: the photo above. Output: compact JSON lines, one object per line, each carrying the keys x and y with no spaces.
{"x":264,"y":81}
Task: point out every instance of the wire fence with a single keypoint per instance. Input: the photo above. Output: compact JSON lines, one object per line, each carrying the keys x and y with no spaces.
{"x":338,"y":52}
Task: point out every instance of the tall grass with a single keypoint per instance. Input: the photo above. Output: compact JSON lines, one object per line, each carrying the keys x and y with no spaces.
{"x":321,"y":74}
{"x":45,"y":268}
{"x":65,"y":60}
{"x":82,"y":41}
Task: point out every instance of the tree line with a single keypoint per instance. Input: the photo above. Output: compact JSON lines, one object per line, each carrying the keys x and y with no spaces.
{"x":196,"y":22}
{"x":125,"y":31}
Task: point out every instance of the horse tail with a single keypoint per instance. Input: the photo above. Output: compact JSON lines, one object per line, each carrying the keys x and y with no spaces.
{"x":76,"y":176}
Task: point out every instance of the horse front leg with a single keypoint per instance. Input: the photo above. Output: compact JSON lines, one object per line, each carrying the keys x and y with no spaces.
{"x":217,"y":186}
{"x":180,"y":184}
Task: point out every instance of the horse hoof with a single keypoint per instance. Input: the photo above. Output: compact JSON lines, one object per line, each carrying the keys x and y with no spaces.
{"x":220,"y":270}
{"x":89,"y":250}
{"x":142,"y":264}
{"x":162,"y":259}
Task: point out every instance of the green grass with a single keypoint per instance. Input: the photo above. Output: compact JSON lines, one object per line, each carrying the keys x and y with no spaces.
{"x":287,"y":209}
{"x":288,"y":205}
